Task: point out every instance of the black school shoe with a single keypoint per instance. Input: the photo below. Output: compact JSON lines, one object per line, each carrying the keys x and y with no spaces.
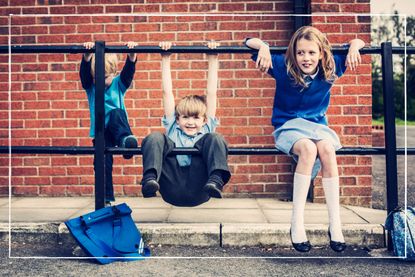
{"x":149,"y":188}
{"x":214,"y":190}
{"x":129,"y":142}
{"x":302,"y":246}
{"x":336,"y":245}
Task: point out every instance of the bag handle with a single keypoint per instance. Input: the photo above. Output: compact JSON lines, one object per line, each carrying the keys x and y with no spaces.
{"x":91,"y":218}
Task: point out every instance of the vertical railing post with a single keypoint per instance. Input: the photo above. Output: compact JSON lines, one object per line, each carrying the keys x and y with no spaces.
{"x":99,"y":157}
{"x":390,"y":131}
{"x":300,"y":7}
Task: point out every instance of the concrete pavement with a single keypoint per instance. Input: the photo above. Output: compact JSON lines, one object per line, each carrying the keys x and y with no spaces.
{"x":227,"y":222}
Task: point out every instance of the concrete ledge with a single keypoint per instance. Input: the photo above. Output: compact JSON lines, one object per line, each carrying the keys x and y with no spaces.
{"x":278,"y":235}
{"x":181,"y":234}
{"x":165,"y":234}
{"x":30,"y":232}
{"x":209,"y":234}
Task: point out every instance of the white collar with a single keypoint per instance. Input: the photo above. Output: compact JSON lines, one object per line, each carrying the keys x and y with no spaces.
{"x":311,"y":76}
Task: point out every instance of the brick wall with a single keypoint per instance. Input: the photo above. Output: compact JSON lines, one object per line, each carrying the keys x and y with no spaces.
{"x":49,"y":107}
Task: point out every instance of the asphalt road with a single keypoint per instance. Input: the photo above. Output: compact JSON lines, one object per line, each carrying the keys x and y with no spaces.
{"x":249,"y":263}
{"x":379,"y":173}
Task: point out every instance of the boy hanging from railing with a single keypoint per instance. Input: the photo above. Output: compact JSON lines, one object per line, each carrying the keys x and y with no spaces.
{"x":186,"y":180}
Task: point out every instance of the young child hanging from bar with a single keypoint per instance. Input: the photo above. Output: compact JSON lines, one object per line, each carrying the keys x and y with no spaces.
{"x":117,"y":130}
{"x":185,"y":180}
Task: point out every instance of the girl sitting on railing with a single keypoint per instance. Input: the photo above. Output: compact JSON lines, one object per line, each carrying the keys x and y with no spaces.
{"x":304,"y":78}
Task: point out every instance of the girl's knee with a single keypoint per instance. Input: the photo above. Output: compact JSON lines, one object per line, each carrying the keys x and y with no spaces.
{"x":306,"y":149}
{"x":326,"y":150}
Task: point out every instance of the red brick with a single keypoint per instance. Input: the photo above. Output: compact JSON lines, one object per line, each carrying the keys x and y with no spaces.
{"x":262,"y":6}
{"x":80,"y":190}
{"x":63,"y":10}
{"x":360,"y":191}
{"x":22,"y":2}
{"x":36,"y":161}
{"x":325,"y":8}
{"x":51,"y":39}
{"x":147,"y":8}
{"x":355,"y":8}
{"x":53,"y":191}
{"x":25,"y":190}
{"x":118,"y":9}
{"x":249,"y":188}
{"x":234,"y":7}
{"x":87,"y":180}
{"x":359,"y":130}
{"x":40,"y":181}
{"x":341,"y":19}
{"x":358,"y":170}
{"x":132,"y":190}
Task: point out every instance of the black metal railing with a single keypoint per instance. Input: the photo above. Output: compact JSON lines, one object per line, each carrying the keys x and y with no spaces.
{"x":390,"y":151}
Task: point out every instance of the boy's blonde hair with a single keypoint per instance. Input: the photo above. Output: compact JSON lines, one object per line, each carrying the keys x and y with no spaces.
{"x":111,"y":64}
{"x":191,"y":105}
{"x":326,"y":64}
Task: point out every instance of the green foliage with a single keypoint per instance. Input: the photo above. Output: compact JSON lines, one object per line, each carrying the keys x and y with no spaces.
{"x":398,"y":122}
{"x":393,"y":29}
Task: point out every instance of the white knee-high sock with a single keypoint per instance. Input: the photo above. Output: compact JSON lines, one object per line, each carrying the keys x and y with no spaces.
{"x":300,"y":191}
{"x":331,"y":191}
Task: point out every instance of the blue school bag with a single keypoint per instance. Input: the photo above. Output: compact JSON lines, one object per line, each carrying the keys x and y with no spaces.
{"x":109,"y":234}
{"x":395,"y":223}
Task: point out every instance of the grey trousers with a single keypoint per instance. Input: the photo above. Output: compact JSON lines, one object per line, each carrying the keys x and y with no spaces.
{"x":183,"y":186}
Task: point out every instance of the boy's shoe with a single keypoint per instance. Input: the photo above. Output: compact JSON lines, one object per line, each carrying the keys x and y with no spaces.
{"x":129,"y":142}
{"x":107,"y":203}
{"x":149,"y":188}
{"x":214,"y":190}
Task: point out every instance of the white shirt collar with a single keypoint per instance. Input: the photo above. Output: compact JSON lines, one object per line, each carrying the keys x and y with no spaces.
{"x":312,"y":76}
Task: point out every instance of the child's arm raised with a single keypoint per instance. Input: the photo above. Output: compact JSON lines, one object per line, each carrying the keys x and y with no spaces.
{"x":128,"y":71}
{"x":264,"y":61}
{"x":353,"y":58}
{"x":168,"y":98}
{"x":85,"y":69}
{"x":212,"y":81}
{"x":88,"y":56}
{"x":132,"y":56}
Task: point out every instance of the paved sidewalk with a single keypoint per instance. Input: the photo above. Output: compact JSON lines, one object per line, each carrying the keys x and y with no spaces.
{"x":229,"y":221}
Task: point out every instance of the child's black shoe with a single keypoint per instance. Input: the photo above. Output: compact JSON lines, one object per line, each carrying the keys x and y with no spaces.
{"x":129,"y":142}
{"x":214,"y":190}
{"x":336,"y":245}
{"x":149,"y":188}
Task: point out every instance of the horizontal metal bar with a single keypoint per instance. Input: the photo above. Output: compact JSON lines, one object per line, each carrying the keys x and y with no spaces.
{"x":73,"y":49}
{"x":71,"y":150}
{"x":80,"y":150}
{"x":401,"y":50}
{"x":32,"y":49}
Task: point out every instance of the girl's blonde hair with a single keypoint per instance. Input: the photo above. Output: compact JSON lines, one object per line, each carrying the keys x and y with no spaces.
{"x":111,"y":64}
{"x":326,"y":64}
{"x":191,"y":105}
